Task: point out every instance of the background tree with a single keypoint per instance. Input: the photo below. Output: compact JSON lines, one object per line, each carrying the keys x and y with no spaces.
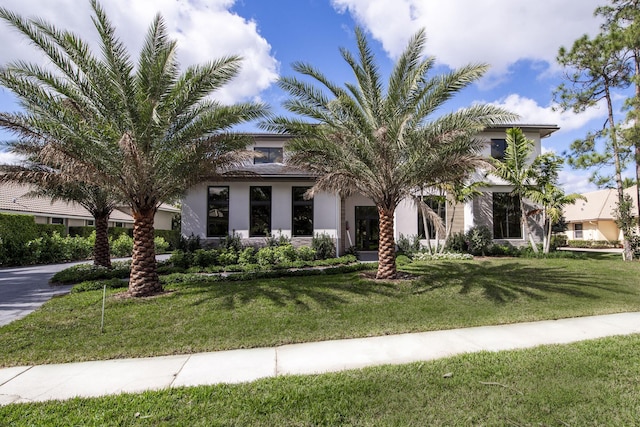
{"x":382,"y":141}
{"x":622,"y":24}
{"x":596,"y":67}
{"x":49,"y":183}
{"x":517,"y":168}
{"x":142,"y":130}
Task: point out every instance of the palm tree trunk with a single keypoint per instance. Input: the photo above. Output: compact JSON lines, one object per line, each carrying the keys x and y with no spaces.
{"x":527,"y":228}
{"x":101,"y":251}
{"x":143,"y":280}
{"x":387,"y":246}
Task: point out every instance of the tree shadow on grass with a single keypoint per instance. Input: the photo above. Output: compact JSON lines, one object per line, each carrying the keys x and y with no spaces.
{"x":506,"y":282}
{"x":325,"y":291}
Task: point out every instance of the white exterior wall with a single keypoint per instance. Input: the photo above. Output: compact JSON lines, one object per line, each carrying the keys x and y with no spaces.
{"x":406,"y":221}
{"x":326,"y":209}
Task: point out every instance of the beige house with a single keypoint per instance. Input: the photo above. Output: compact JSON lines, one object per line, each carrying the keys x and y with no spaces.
{"x":15,"y":199}
{"x":593,"y":219}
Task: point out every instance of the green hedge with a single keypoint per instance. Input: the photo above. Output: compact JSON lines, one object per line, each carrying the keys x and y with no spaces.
{"x":594,"y":244}
{"x":15,"y":232}
{"x":171,"y":236}
{"x":85,"y":231}
{"x":51,"y":229}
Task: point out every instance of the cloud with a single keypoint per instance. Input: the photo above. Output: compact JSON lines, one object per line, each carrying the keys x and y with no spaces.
{"x":205,"y":30}
{"x":9,"y":158}
{"x":532,"y":113}
{"x":575,"y":182}
{"x":498,"y":32}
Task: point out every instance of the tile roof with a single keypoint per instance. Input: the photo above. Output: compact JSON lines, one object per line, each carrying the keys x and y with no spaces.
{"x":598,"y":206}
{"x":14,"y":199}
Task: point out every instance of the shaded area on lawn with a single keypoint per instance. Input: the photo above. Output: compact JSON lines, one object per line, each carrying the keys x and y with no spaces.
{"x":504,"y":282}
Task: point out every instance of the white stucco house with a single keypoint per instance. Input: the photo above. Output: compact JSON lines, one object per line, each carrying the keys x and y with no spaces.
{"x":266,"y":197}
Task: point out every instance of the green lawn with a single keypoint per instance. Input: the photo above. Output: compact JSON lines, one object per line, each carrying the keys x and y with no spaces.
{"x":588,"y":383}
{"x":206,"y":316}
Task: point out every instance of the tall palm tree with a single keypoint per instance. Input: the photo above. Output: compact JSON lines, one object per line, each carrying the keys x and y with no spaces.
{"x":49,"y":183}
{"x":142,"y":130}
{"x":384,"y":142}
{"x":518,"y":170}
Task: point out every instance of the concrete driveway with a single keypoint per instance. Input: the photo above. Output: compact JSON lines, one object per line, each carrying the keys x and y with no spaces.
{"x":24,"y":289}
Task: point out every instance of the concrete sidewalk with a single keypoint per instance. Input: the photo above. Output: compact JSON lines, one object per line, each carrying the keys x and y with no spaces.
{"x":90,"y":379}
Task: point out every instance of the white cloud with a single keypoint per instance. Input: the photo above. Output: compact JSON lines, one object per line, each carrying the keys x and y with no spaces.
{"x":205,"y":30}
{"x":498,"y":32}
{"x":532,"y":113}
{"x":575,"y":182}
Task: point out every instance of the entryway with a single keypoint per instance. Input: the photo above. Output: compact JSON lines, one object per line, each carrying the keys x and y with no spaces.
{"x":367,"y":228}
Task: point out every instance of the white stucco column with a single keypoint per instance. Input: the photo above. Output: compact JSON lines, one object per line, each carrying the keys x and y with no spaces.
{"x":469,"y":219}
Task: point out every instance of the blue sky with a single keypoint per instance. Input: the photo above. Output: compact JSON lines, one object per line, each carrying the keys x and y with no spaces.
{"x":518,"y":38}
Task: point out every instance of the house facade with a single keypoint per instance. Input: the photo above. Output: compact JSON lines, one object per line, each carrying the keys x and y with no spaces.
{"x":16,"y":199}
{"x":267,"y":198}
{"x":593,"y":218}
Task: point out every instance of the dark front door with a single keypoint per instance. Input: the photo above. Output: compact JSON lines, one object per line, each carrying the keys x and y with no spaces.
{"x":367,"y":228}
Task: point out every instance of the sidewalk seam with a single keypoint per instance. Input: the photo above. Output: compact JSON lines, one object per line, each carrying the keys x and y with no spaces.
{"x":16,"y":376}
{"x":175,"y":377}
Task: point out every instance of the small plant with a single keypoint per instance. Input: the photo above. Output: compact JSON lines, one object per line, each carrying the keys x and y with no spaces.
{"x":408,"y":245}
{"x":448,"y":256}
{"x":232,"y":241}
{"x":305,"y":253}
{"x":266,"y":256}
{"x":203,"y":258}
{"x":479,"y":238}
{"x":323,"y":245}
{"x":122,"y":246}
{"x":457,"y":243}
{"x":247,"y":256}
{"x":228,"y":257}
{"x":189,"y":244}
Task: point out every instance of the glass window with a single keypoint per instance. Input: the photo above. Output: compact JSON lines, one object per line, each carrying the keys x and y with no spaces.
{"x":438,"y":205}
{"x":218,"y":212}
{"x":506,"y":216}
{"x":302,"y":219}
{"x":577,"y":231}
{"x":498,"y":147}
{"x":269,"y":155}
{"x":260,"y":215}
{"x":90,"y":223}
{"x":57,"y":220}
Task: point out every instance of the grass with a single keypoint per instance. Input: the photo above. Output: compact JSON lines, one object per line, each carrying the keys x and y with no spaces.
{"x":588,"y":383}
{"x":198,"y":315}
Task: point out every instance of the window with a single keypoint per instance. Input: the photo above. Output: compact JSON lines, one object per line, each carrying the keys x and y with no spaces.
{"x":438,"y":205}
{"x":577,"y":231}
{"x":89,"y":223}
{"x":269,"y":155}
{"x":506,"y":216}
{"x":260,"y":214}
{"x":302,"y":218}
{"x":120,"y":224}
{"x":498,"y":147}
{"x":57,"y":221}
{"x":218,"y":212}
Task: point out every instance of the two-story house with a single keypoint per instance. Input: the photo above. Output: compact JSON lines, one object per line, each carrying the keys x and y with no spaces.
{"x":267,"y":198}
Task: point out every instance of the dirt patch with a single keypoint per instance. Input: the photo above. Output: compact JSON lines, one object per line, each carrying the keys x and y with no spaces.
{"x":401,"y":277}
{"x":127,"y":295}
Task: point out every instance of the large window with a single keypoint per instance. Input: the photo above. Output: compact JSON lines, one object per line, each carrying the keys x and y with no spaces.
{"x":218,"y":212}
{"x":506,"y":216}
{"x":268,"y":155}
{"x":498,"y":147}
{"x":438,"y":205}
{"x":260,"y":215}
{"x":302,"y":220}
{"x":577,"y":231}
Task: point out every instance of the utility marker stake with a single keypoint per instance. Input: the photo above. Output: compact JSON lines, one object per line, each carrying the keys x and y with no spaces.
{"x":104,"y":296}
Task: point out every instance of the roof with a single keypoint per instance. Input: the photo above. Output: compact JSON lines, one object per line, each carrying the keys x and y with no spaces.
{"x":544,"y":129}
{"x":598,"y":206}
{"x":14,"y":199}
{"x":268,"y":170}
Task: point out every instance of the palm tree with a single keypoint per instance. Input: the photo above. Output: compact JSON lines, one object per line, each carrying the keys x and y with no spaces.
{"x":553,"y":200}
{"x":144,"y":131}
{"x":518,"y":170}
{"x":49,"y":183}
{"x":384,"y":143}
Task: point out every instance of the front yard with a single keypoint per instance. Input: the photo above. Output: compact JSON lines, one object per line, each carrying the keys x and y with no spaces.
{"x":205,"y":315}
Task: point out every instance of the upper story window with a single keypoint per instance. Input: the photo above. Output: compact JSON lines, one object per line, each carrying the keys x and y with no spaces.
{"x":498,"y":147}
{"x":268,"y":155}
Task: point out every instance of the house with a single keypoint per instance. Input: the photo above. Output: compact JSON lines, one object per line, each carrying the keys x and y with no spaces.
{"x":593,"y":219}
{"x":267,"y":198}
{"x":15,"y":199}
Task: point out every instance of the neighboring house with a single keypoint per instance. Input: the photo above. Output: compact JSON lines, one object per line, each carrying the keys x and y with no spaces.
{"x":593,"y":219}
{"x":14,"y":199}
{"x":267,"y":198}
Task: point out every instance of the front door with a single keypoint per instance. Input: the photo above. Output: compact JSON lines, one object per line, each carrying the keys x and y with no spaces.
{"x":367,"y":228}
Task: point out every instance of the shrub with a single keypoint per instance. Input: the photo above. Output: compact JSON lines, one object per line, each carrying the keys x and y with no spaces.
{"x":266,"y":256}
{"x":232,"y":241}
{"x":323,"y":245}
{"x":505,"y":249}
{"x":448,"y":256}
{"x":83,"y":272}
{"x":15,"y":232}
{"x":402,"y":260}
{"x":161,"y":244}
{"x":228,"y":256}
{"x":247,"y":256}
{"x":203,"y":258}
{"x":408,"y":245}
{"x":95,"y":285}
{"x":170,"y":236}
{"x":284,"y":254}
{"x":457,"y":243}
{"x":189,"y":244}
{"x":594,"y":244}
{"x":49,"y":229}
{"x":305,"y":253}
{"x":479,"y":238}
{"x":122,"y":246}
{"x":558,"y":241}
